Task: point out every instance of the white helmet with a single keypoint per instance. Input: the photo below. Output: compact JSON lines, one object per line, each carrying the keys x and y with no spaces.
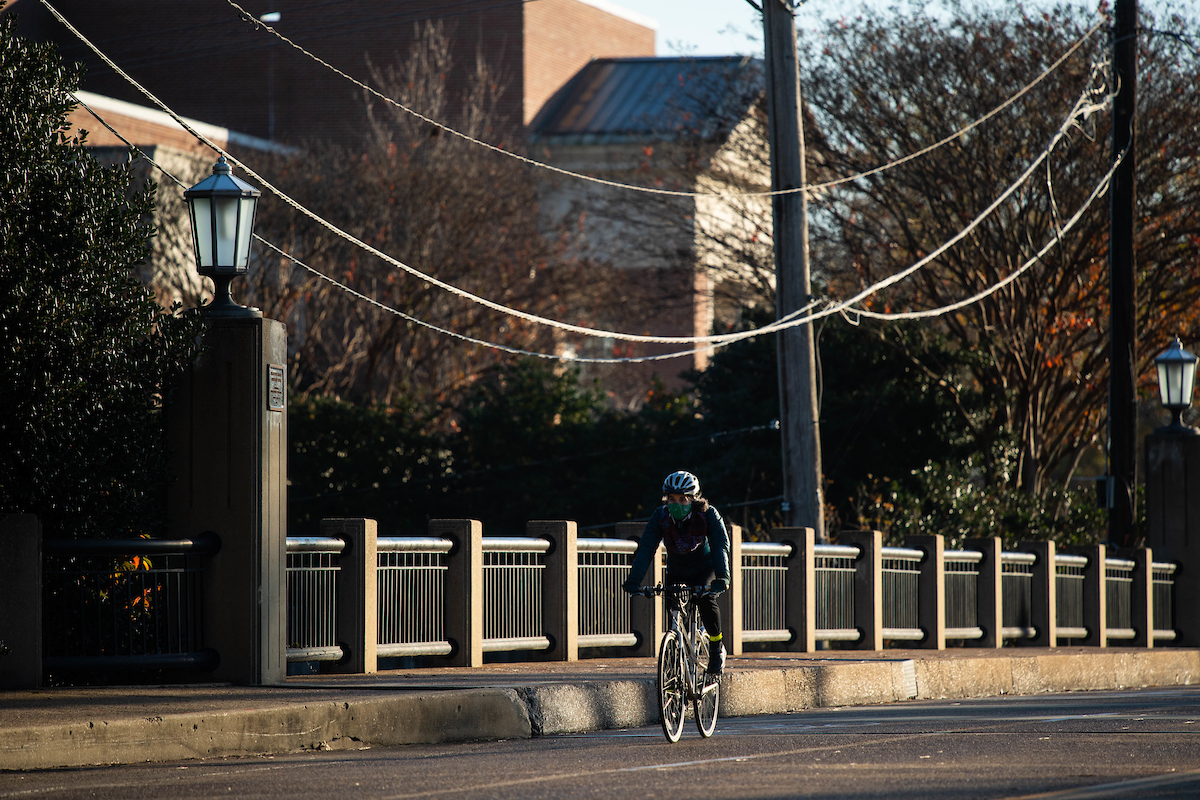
{"x":681,"y":483}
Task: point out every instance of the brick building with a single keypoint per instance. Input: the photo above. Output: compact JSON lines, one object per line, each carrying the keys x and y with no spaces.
{"x":680,"y":124}
{"x":205,"y":61}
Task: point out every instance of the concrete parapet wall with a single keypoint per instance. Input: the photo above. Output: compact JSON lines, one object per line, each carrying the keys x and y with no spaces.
{"x":571,"y":706}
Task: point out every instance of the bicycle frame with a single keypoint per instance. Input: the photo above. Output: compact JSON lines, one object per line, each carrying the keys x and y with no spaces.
{"x":689,"y":632}
{"x":682,"y":677}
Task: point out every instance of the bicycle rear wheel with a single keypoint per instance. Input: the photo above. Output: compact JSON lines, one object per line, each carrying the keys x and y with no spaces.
{"x":706,"y":704}
{"x":672,"y":695}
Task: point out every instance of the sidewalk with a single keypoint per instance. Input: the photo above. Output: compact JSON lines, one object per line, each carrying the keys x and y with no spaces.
{"x":75,"y":727}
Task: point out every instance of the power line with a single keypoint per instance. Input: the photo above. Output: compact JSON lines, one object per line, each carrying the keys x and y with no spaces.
{"x":811,"y":189}
{"x":1081,"y":108}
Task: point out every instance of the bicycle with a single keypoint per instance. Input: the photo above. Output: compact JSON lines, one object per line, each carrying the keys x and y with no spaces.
{"x":683,"y":674}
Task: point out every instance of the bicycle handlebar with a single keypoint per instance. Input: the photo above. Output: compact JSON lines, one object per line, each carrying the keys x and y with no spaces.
{"x":675,"y":588}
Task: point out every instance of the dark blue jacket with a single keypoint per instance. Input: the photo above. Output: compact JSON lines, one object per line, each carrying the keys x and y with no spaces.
{"x":712,"y":553}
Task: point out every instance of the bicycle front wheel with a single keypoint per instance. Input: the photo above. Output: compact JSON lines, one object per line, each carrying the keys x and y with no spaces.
{"x":672,"y":694}
{"x":706,"y":704}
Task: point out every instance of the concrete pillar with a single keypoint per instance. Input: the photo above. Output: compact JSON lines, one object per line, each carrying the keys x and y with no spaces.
{"x":989,"y":610}
{"x":1173,"y":521}
{"x":1044,"y":611}
{"x":731,"y":601}
{"x":646,"y":613}
{"x":357,"y":593}
{"x":560,"y":586}
{"x":464,"y":589}
{"x":1141,"y":596}
{"x":21,"y":602}
{"x":227,"y":431}
{"x":799,"y":588}
{"x":931,"y":589}
{"x":868,"y":586}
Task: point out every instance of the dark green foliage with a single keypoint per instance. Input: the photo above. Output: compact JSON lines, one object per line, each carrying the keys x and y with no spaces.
{"x":534,"y":444}
{"x":351,"y":461}
{"x":955,"y":499}
{"x":86,"y":350}
{"x":883,"y":413}
{"x":740,"y":391}
{"x":528,"y":443}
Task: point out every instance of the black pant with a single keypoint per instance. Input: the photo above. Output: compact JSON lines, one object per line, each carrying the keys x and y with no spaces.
{"x":710,"y":612}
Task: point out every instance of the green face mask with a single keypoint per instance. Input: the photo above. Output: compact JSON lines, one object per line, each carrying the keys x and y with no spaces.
{"x":679,"y":510}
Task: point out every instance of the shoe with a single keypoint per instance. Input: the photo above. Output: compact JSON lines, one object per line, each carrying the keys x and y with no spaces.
{"x":716,"y":658}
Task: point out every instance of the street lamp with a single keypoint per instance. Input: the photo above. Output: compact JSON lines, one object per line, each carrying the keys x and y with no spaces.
{"x":222,"y":211}
{"x":1176,"y":374}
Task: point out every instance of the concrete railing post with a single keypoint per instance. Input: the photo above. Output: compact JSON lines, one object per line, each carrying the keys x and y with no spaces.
{"x":560,"y":586}
{"x":227,"y":433}
{"x":646,"y":616}
{"x":1141,"y":597}
{"x":731,"y":602}
{"x":464,"y":589}
{"x":1095,"y":595}
{"x":931,"y":589}
{"x":21,"y":600}
{"x":1044,"y":612}
{"x":357,"y":593}
{"x":989,"y":583}
{"x":799,"y":588}
{"x":868,"y":586}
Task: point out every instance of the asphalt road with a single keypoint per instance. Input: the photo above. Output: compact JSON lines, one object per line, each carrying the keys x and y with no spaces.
{"x":1066,"y":746}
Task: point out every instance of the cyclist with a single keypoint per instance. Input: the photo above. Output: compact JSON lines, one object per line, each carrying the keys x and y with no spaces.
{"x":698,"y":552}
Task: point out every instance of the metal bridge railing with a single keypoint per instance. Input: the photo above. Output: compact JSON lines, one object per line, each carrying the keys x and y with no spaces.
{"x":411,"y":591}
{"x":512,"y":595}
{"x":961,"y":582}
{"x":1017,"y":595}
{"x":352,"y":597}
{"x":901,"y":572}
{"x":1068,"y":591}
{"x":427,"y":603}
{"x":1118,"y":590}
{"x":834,"y":568}
{"x":123,"y":604}
{"x":1163,"y":600}
{"x":604,"y":605}
{"x":312,"y":590}
{"x":763,"y":576}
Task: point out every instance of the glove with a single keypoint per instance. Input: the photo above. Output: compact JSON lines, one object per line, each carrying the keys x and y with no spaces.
{"x":632,"y":586}
{"x":718,"y":585}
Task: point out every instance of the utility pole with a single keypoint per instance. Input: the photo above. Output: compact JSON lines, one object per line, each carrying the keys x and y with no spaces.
{"x":1122,"y":385}
{"x":803,"y":501}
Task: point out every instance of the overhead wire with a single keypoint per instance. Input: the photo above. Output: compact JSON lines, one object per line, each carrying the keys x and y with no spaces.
{"x":526,"y":316}
{"x":810,"y":189}
{"x":1063,"y":229}
{"x":796,"y":318}
{"x":383,"y":306}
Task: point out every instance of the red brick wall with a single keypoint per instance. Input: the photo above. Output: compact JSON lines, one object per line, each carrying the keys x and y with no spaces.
{"x":201,"y":59}
{"x":563,"y":35}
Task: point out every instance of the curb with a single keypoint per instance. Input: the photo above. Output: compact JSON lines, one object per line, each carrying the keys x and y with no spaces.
{"x":523,"y":712}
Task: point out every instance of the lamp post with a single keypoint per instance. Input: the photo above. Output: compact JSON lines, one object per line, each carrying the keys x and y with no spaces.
{"x":1176,"y":375}
{"x":222,"y":209}
{"x":227,"y":429}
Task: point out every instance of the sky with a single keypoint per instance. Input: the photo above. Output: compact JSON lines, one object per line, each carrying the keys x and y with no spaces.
{"x":711,"y":27}
{"x":734,"y":27}
{"x":722,"y":27}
